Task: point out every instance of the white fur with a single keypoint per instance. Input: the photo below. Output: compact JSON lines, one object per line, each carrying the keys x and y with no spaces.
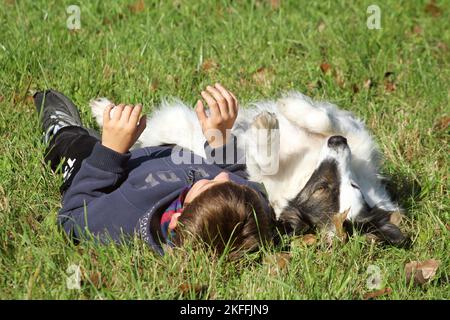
{"x":304,"y":128}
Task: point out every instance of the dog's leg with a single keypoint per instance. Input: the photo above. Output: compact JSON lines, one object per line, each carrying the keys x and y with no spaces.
{"x":263,"y":145}
{"x":304,"y":114}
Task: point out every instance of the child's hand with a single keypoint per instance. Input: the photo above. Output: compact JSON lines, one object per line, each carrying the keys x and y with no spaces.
{"x":121,"y":130}
{"x":224,"y":110}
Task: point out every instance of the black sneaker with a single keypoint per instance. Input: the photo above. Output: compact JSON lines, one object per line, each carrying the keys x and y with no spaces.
{"x":56,"y":112}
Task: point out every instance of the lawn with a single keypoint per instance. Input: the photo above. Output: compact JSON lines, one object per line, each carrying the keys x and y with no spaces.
{"x":395,"y":78}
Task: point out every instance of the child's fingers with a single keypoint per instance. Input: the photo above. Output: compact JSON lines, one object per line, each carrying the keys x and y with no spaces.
{"x":220,"y":101}
{"x":135,"y":113}
{"x":126,"y":112}
{"x":200,"y":111}
{"x":236,"y":103}
{"x":142,"y":125}
{"x":230,"y":101}
{"x":117,"y":112}
{"x":213,"y":106}
{"x":107,"y":112}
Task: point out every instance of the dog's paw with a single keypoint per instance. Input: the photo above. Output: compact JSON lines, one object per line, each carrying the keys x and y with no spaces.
{"x":264,"y":144}
{"x":97,"y":107}
{"x":266,"y":120}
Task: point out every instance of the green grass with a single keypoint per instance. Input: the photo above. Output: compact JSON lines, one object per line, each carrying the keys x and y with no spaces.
{"x":176,"y":48}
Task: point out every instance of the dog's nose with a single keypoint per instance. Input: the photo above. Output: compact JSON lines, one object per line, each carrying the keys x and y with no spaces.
{"x":336,"y":141}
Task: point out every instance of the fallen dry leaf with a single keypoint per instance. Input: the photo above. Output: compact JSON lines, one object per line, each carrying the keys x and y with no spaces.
{"x":377,"y":293}
{"x":198,"y":289}
{"x":95,"y":278}
{"x":442,"y":46}
{"x":2,"y":98}
{"x":421,"y":272}
{"x":355,"y":88}
{"x":277,"y":262}
{"x":304,"y":240}
{"x":338,"y":221}
{"x":442,"y":123}
{"x":390,"y":86}
{"x":154,"y":85}
{"x":433,"y":9}
{"x":263,"y":76}
{"x":275,"y":4}
{"x":417,"y":30}
{"x":137,"y":7}
{"x":325,"y":67}
{"x":447,"y":226}
{"x":209,"y":65}
{"x":396,"y":218}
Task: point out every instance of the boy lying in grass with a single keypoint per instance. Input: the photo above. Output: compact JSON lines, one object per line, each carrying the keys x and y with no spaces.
{"x":112,"y":193}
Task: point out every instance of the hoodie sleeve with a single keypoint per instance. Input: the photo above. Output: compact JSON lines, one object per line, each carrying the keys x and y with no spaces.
{"x":225,"y":156}
{"x":91,"y":201}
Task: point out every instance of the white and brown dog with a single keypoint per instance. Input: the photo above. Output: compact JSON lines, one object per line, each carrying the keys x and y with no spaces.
{"x":321,"y":161}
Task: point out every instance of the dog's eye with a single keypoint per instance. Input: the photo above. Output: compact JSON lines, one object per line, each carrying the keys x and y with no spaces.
{"x":321,"y":188}
{"x":354,"y":185}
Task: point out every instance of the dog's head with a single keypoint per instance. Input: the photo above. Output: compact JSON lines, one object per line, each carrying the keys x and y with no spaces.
{"x":332,"y":189}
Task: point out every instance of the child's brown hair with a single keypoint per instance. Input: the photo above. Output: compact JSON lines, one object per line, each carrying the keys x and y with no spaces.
{"x":225,"y":216}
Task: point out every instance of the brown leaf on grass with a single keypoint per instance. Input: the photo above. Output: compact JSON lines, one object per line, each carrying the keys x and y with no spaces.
{"x":433,"y":9}
{"x":338,"y":221}
{"x":263,"y":76}
{"x":2,"y":98}
{"x":396,"y":218}
{"x":390,"y":86}
{"x":154,"y":85}
{"x":355,"y":88}
{"x":421,"y":272}
{"x":137,"y":7}
{"x":325,"y":67}
{"x":447,"y":226}
{"x":275,"y":4}
{"x":277,"y":262}
{"x":29,"y":99}
{"x":417,"y":30}
{"x":442,"y":46}
{"x":95,"y":278}
{"x":442,"y":123}
{"x":309,"y":239}
{"x":209,"y":65}
{"x":187,"y":288}
{"x":304,"y":240}
{"x":377,"y":293}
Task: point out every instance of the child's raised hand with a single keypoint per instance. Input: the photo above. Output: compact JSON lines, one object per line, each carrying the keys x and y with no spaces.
{"x":123,"y":128}
{"x":224,"y":110}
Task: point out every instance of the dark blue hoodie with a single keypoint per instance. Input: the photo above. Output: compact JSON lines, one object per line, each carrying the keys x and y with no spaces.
{"x":115,"y":195}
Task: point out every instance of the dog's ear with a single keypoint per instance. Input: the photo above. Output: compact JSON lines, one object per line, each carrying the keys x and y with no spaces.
{"x":378,"y":222}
